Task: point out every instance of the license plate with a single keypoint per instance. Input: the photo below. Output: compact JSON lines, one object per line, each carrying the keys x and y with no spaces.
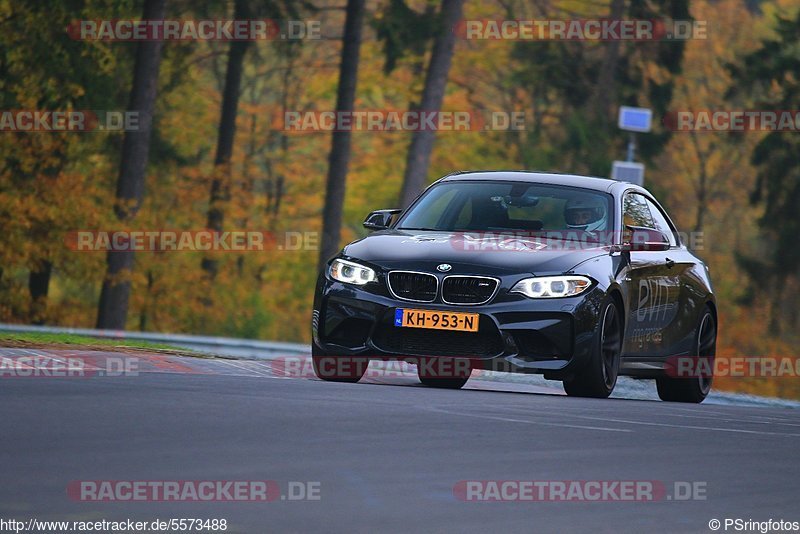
{"x":436,"y":320}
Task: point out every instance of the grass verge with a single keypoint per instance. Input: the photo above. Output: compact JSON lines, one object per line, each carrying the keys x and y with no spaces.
{"x":43,"y":340}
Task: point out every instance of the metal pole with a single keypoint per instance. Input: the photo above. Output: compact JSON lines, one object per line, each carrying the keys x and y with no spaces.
{"x":631,"y":146}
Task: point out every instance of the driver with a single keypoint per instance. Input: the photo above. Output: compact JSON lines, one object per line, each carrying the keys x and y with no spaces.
{"x":584,"y":214}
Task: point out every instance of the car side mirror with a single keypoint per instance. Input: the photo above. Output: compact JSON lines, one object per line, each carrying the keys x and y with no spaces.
{"x":638,"y":238}
{"x":380,"y":219}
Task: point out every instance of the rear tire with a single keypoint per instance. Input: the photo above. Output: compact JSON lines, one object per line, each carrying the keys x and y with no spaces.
{"x":599,"y":377}
{"x":693,"y":389}
{"x":337,"y":368}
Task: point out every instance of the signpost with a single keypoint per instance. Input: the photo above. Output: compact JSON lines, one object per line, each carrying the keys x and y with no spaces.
{"x":635,"y":119}
{"x":628,"y":171}
{"x":632,"y":120}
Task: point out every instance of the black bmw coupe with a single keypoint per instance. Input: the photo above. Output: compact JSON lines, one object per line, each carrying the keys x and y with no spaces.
{"x":576,"y":278}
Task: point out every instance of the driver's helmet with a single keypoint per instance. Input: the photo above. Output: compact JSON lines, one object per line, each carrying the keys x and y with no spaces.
{"x":588,"y":214}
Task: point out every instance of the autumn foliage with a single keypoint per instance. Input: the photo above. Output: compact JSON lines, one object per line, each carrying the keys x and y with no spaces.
{"x":54,"y":183}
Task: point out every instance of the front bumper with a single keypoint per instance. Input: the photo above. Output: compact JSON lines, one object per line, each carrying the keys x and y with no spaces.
{"x":515,"y":334}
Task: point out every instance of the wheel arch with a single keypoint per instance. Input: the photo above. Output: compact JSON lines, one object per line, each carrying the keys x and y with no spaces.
{"x":616,"y":294}
{"x":713,"y":307}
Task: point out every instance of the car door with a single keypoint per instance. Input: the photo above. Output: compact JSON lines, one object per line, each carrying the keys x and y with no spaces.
{"x":678,"y":316}
{"x":650,"y":290}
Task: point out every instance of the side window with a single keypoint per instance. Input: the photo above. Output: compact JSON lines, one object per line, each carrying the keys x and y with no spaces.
{"x":635,"y":211}
{"x":661,"y":222}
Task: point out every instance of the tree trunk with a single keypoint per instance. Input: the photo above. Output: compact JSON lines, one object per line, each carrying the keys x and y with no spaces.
{"x":605,"y":90}
{"x":702,"y":184}
{"x":419,"y":153}
{"x":339,"y":157}
{"x":113,"y":308}
{"x":220,"y":183}
{"x":775,"y":300}
{"x":38,"y":286}
{"x":700,"y":212}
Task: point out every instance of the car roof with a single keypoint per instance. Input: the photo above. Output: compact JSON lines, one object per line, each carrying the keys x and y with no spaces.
{"x":572,"y":180}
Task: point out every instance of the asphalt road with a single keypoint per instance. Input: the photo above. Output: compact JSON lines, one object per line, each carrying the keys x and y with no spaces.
{"x":386,"y":455}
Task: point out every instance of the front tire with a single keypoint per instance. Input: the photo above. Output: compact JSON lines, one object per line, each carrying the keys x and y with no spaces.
{"x":444,"y":374}
{"x":444,"y":383}
{"x":694,"y":389}
{"x":337,"y":368}
{"x":599,"y":377}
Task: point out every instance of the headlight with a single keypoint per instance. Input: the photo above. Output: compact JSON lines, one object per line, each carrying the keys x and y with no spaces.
{"x":552,"y":286}
{"x":351,"y":273}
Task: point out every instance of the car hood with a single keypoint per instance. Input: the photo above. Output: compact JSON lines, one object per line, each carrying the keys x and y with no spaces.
{"x":501,"y":253}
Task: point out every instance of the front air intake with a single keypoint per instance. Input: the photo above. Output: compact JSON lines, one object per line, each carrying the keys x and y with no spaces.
{"x":468,"y":289}
{"x":413,"y":286}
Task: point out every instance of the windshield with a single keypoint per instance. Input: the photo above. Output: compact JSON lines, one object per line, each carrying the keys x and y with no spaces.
{"x":509,"y":207}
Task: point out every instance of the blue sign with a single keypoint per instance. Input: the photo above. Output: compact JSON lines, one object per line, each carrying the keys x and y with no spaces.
{"x":635,"y":119}
{"x":398,"y":317}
